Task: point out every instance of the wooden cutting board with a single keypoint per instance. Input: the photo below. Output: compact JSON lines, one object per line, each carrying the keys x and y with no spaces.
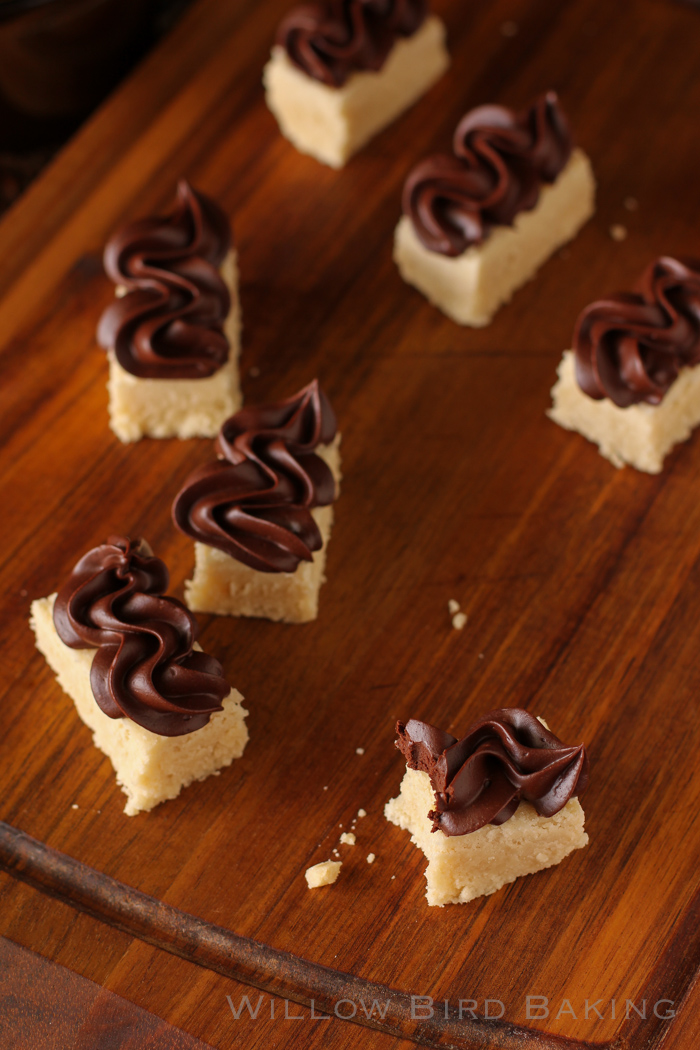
{"x":580,"y":582}
{"x":46,"y":1005}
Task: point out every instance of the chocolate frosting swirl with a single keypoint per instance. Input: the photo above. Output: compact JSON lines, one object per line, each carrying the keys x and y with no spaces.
{"x":632,"y":346}
{"x":169,"y":324}
{"x":145,"y":667}
{"x":500,"y":158}
{"x":507,"y":756}
{"x":254,"y":502}
{"x":330,"y":41}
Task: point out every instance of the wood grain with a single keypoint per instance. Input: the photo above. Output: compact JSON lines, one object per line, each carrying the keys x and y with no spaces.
{"x":45,"y":1005}
{"x":580,"y":581}
{"x":281,"y":974}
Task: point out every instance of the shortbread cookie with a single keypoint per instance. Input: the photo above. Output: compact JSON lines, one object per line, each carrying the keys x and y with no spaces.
{"x":498,"y":804}
{"x":341,"y":72}
{"x":631,"y":383}
{"x":261,"y":513}
{"x":158,"y":707}
{"x":478,"y":223}
{"x":172,"y":334}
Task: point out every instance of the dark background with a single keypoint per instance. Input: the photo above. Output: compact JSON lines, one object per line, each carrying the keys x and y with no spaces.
{"x":58,"y":60}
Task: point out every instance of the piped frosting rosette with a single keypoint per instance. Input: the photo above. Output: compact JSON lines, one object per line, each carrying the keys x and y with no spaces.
{"x":506,"y":757}
{"x":145,"y":667}
{"x":254,"y":501}
{"x":330,"y":41}
{"x":631,"y":347}
{"x":499,"y":161}
{"x":169,"y":322}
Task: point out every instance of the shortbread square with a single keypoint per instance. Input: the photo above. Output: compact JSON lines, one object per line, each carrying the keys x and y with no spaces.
{"x":224,"y":586}
{"x":150,"y":768}
{"x":332,"y":123}
{"x":640,"y":435}
{"x":463,"y":867}
{"x":470,"y":287}
{"x":182,"y":408}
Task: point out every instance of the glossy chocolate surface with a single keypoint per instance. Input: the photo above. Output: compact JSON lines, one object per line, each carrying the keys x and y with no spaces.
{"x":169,"y":322}
{"x":145,"y":667}
{"x":506,"y":757}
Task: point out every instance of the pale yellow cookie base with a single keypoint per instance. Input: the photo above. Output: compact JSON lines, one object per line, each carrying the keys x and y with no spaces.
{"x":333,"y":123}
{"x":470,"y":287}
{"x":224,"y":586}
{"x":463,"y":867}
{"x":149,"y":768}
{"x":640,"y":435}
{"x":182,"y":408}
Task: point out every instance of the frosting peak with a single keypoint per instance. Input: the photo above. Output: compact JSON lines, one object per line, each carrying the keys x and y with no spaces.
{"x":254,"y":502}
{"x":333,"y":39}
{"x":169,"y":322}
{"x":632,"y":346}
{"x":499,"y":161}
{"x":145,"y":667}
{"x":507,"y":756}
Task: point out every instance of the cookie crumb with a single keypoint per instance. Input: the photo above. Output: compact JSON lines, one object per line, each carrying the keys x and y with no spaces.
{"x":618,"y":232}
{"x":371,"y":857}
{"x":323,"y":874}
{"x":75,"y":806}
{"x":325,"y":787}
{"x":359,"y":751}
{"x":393,"y":877}
{"x":453,"y":606}
{"x":631,"y":203}
{"x":362,"y":812}
{"x":509,"y":29}
{"x":481,"y":656}
{"x":458,"y":620}
{"x":348,"y":839}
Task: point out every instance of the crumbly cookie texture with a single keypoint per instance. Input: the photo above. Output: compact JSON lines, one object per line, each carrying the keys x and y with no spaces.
{"x":222,"y":585}
{"x":323,"y":874}
{"x":183,"y":408}
{"x":463,"y":867}
{"x":640,"y":435}
{"x":150,"y":768}
{"x":332,"y":123}
{"x":470,"y":287}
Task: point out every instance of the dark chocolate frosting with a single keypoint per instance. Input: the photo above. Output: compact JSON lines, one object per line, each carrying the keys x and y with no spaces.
{"x":632,"y":346}
{"x":500,"y":159}
{"x":507,"y":756}
{"x":254,"y":502}
{"x":145,"y":667}
{"x":331,"y":40}
{"x":169,"y":325}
